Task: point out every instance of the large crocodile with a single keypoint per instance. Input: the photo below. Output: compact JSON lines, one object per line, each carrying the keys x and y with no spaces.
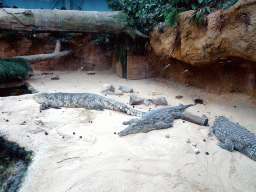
{"x":85,"y":100}
{"x":156,"y":119}
{"x":233,"y":136}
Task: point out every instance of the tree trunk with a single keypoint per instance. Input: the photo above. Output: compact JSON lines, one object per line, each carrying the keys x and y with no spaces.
{"x":56,"y":54}
{"x":44,"y":20}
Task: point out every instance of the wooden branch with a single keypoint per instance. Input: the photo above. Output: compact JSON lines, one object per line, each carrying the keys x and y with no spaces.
{"x":56,"y":54}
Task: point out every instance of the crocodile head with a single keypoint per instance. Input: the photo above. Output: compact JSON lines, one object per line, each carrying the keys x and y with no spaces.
{"x":138,"y":127}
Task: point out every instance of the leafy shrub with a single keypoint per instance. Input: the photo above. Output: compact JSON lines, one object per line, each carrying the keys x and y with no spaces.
{"x":145,"y":14}
{"x":14,"y":69}
{"x":171,"y":18}
{"x":200,"y":15}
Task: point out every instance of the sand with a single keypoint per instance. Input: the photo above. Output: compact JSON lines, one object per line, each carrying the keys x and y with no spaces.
{"x":100,"y":160}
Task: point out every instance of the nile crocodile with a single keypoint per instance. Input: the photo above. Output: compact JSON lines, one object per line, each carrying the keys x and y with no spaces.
{"x":156,"y":119}
{"x":233,"y":136}
{"x":85,"y":100}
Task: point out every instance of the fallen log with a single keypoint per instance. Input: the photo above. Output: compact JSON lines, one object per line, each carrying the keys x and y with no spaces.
{"x":72,"y":21}
{"x":56,"y":54}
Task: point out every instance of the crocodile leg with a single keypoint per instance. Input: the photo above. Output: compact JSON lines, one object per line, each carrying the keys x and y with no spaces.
{"x":228,"y":145}
{"x":53,"y":104}
{"x":130,"y":121}
{"x":163,"y":125}
{"x":211,"y":131}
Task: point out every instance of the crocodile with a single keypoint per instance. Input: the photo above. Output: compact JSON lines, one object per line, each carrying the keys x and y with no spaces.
{"x":82,"y":100}
{"x":233,"y":136}
{"x":153,"y":120}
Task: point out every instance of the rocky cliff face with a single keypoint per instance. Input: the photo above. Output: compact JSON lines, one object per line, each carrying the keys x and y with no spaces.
{"x":219,"y":55}
{"x":228,"y":33}
{"x":84,"y":52}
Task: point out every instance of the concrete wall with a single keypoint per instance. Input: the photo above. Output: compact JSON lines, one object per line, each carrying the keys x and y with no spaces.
{"x":85,"y":5}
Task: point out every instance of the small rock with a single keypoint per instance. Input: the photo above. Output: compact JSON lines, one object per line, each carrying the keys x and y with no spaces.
{"x":7,"y":120}
{"x":194,"y":144}
{"x":234,"y":106}
{"x":188,"y":140}
{"x":90,"y":72}
{"x":197,"y":100}
{"x":55,"y":77}
{"x":114,"y":132}
{"x":24,"y":123}
{"x":135,"y":100}
{"x":125,"y":89}
{"x":179,"y":97}
{"x":108,"y":87}
{"x":204,"y":140}
{"x":39,"y":122}
{"x":80,"y":137}
{"x":160,"y":100}
{"x":46,"y":133}
{"x":63,"y":137}
{"x":74,"y":133}
{"x":196,"y":151}
{"x":167,"y":136}
{"x":147,"y":103}
{"x":206,"y":153}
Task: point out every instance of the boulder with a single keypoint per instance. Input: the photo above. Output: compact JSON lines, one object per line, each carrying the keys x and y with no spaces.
{"x":125,"y":89}
{"x":108,"y":87}
{"x":135,"y":100}
{"x":55,"y":77}
{"x":160,"y":100}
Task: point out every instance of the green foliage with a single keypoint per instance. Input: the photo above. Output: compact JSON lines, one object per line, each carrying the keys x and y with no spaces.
{"x":145,"y":14}
{"x":121,"y":46}
{"x":228,"y":4}
{"x":13,"y":151}
{"x":104,"y":41}
{"x":142,"y":14}
{"x":200,"y":15}
{"x":14,"y":69}
{"x":171,"y":18}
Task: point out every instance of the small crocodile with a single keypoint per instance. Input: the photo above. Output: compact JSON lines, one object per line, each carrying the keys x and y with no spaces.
{"x":233,"y":136}
{"x":153,"y":120}
{"x":85,"y":100}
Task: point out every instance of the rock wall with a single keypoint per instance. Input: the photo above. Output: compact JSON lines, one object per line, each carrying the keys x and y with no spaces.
{"x":218,"y":56}
{"x":228,"y":33}
{"x":84,"y":52}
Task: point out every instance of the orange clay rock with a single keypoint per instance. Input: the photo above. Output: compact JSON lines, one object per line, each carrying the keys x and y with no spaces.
{"x":227,"y":33}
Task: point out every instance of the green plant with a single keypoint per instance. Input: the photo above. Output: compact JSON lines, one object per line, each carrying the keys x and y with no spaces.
{"x":200,"y":15}
{"x":227,"y":4}
{"x":171,"y":18}
{"x":14,"y":69}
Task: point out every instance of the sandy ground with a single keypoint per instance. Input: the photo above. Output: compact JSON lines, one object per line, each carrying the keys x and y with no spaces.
{"x":103,"y":161}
